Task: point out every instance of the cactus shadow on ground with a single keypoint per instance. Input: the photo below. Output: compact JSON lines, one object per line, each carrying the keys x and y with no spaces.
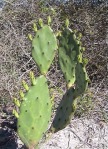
{"x":7,"y":139}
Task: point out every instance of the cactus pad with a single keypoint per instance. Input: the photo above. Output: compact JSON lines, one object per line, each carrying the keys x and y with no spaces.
{"x":35,"y":112}
{"x":69,"y":50}
{"x":81,"y":79}
{"x":65,"y":111}
{"x":44,"y":45}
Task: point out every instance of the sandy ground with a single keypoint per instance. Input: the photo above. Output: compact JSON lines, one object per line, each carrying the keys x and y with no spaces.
{"x":80,"y":134}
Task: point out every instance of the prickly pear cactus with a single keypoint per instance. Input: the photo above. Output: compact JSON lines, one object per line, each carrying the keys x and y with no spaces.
{"x":69,"y":52}
{"x":35,"y":107}
{"x":65,"y":111}
{"x":44,"y":46}
{"x":34,"y":112}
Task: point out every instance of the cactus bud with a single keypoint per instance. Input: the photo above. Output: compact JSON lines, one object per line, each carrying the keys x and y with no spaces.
{"x":34,"y":27}
{"x":40,"y":22}
{"x":30,"y":37}
{"x":49,"y":20}
{"x":16,"y":102}
{"x":25,"y":85}
{"x":15,"y":113}
{"x":33,"y":80}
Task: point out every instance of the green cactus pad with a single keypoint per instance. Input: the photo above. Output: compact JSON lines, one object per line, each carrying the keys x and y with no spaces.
{"x":65,"y":111}
{"x":35,"y":113}
{"x":44,"y":45}
{"x":69,"y":50}
{"x":81,"y":80}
